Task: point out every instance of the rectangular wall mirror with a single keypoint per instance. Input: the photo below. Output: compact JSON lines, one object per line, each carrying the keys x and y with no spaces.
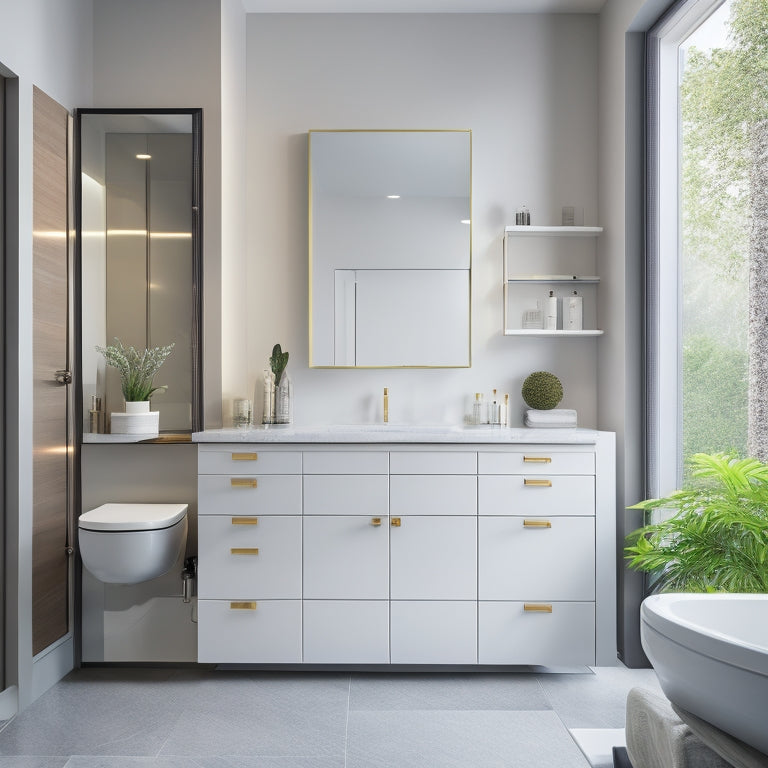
{"x":390,"y":249}
{"x":140,"y":261}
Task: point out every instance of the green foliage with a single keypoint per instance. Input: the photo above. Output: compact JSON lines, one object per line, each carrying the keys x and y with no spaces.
{"x":715,"y":379}
{"x":277,"y":362}
{"x":717,"y":537}
{"x":542,"y":390}
{"x":136,"y":369}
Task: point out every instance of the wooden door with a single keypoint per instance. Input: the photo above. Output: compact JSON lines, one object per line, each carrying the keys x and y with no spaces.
{"x":50,"y":353}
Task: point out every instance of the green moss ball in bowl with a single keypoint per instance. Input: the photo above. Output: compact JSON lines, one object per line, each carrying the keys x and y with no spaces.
{"x":542,"y":391}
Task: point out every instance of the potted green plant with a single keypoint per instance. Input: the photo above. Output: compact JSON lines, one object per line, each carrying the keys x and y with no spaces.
{"x":716,"y":537}
{"x":137,"y":369}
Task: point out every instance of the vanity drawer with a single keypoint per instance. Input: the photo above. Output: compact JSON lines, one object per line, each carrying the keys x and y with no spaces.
{"x":433,"y":495}
{"x":248,"y":460}
{"x":510,"y":634}
{"x":249,"y":632}
{"x":249,"y":495}
{"x":433,"y":463}
{"x":536,"y":495}
{"x":249,"y":557}
{"x":535,"y":462}
{"x":346,"y":463}
{"x":346,"y":495}
{"x":536,"y":558}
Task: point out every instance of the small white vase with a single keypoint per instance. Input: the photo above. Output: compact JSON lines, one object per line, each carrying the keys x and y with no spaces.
{"x":137,"y":419}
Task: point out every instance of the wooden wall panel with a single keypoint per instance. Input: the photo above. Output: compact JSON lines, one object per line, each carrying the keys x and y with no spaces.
{"x":50,"y":569}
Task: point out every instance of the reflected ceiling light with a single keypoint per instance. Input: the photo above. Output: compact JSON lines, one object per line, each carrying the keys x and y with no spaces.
{"x":171,"y":235}
{"x":465,"y":221}
{"x":143,"y":233}
{"x":393,"y":197}
{"x":143,"y":157}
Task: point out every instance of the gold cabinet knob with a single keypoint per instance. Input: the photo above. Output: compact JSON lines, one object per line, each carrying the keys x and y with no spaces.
{"x":537,"y":459}
{"x":245,"y":521}
{"x":395,"y":522}
{"x":245,"y":456}
{"x":537,"y":483}
{"x":536,"y":524}
{"x":243,"y":605}
{"x":244,"y":551}
{"x":376,"y":521}
{"x":244,"y":482}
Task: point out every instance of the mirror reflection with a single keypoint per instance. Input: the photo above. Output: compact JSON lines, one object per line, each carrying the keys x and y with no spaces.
{"x":140,"y":270}
{"x":390,"y":248}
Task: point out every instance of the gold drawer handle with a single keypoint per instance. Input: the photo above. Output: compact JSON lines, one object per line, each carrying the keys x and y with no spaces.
{"x":537,"y":607}
{"x":536,"y":524}
{"x":376,"y":521}
{"x":538,"y":483}
{"x":245,"y":521}
{"x":243,"y":606}
{"x":244,"y":482}
{"x":244,"y":551}
{"x":395,"y":522}
{"x":245,"y":456}
{"x":537,"y":459}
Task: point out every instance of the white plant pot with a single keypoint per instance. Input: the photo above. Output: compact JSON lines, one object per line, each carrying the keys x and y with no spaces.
{"x":137,"y":420}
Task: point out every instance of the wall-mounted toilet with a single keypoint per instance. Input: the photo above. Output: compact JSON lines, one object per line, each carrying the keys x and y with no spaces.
{"x":130,"y":543}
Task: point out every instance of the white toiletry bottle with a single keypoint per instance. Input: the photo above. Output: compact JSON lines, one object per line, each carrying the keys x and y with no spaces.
{"x":269,"y":397}
{"x":575,"y":314}
{"x":504,"y":412}
{"x":550,"y":320}
{"x":477,"y":409}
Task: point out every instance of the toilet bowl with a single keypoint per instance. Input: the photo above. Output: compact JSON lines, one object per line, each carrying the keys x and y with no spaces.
{"x":130,"y":543}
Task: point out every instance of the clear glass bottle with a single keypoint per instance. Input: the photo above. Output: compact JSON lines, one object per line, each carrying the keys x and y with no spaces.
{"x":268,"y":416}
{"x":493,"y":410}
{"x":477,"y":409}
{"x":504,"y":412}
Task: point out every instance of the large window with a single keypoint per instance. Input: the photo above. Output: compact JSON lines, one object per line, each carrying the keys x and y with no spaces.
{"x":707,"y":235}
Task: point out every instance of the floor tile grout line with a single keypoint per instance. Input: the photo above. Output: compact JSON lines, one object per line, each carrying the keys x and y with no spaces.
{"x":346,"y":725}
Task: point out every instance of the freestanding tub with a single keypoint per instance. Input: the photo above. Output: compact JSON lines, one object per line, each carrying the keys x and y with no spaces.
{"x":710,"y":652}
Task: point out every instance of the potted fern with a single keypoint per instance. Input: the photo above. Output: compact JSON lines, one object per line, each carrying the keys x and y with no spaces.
{"x":137,"y":370}
{"x":716,"y":539}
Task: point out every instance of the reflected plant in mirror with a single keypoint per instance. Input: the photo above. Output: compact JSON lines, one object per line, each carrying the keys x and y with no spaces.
{"x":390,"y":248}
{"x":136,"y":369}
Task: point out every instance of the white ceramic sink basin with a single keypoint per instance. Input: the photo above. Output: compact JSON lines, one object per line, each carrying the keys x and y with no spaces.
{"x":710,"y":653}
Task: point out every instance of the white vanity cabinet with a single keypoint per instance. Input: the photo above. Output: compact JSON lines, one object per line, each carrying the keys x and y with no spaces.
{"x":500,"y":552}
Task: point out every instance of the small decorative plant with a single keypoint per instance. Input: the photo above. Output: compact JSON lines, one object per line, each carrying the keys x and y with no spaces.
{"x":136,"y":368}
{"x":716,"y":539}
{"x":277,"y":362}
{"x":542,"y":391}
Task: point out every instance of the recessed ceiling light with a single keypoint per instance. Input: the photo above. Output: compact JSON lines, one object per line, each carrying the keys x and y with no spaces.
{"x":393,"y":197}
{"x":143,"y":157}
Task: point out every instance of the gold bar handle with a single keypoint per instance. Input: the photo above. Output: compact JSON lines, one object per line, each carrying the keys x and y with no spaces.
{"x":537,"y":483}
{"x":244,"y":551}
{"x":536,"y":524}
{"x":395,"y":522}
{"x":246,"y":605}
{"x":537,"y":607}
{"x":245,"y":521}
{"x":537,"y":459}
{"x":244,"y":482}
{"x":376,"y":521}
{"x":245,"y":456}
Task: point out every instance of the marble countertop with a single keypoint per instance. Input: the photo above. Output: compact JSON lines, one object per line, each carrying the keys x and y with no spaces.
{"x":394,"y":433}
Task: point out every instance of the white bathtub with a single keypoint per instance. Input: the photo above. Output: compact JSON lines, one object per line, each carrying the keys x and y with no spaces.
{"x":710,"y":653}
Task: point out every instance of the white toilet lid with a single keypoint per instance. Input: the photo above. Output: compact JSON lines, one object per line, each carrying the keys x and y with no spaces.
{"x":132,"y":517}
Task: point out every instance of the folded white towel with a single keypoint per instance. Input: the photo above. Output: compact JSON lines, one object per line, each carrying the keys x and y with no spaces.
{"x":557,"y":418}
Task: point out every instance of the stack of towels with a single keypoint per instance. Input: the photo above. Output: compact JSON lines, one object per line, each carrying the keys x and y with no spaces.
{"x":556,"y":418}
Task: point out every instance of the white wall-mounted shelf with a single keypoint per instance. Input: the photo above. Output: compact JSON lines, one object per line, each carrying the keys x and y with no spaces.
{"x":564,"y":259}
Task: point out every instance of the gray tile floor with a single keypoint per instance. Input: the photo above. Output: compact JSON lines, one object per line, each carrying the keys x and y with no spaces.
{"x":154,"y":718}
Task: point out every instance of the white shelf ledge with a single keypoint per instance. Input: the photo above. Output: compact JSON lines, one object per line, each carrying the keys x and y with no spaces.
{"x":569,"y":279}
{"x":554,"y":231}
{"x":542,"y":332}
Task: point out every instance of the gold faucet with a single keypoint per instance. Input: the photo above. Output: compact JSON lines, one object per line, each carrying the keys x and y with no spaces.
{"x":386,"y":404}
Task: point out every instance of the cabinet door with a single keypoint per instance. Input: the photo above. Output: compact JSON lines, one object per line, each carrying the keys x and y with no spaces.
{"x":433,"y":495}
{"x":249,"y":494}
{"x":433,"y":558}
{"x":433,"y":632}
{"x":542,"y":495}
{"x":561,"y":635}
{"x":346,"y":557}
{"x":346,"y":495}
{"x":246,"y":460}
{"x":249,"y":557}
{"x":249,"y":632}
{"x":346,"y":631}
{"x":536,"y":558}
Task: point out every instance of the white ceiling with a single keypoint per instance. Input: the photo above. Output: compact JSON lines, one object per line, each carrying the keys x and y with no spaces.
{"x":423,"y":6}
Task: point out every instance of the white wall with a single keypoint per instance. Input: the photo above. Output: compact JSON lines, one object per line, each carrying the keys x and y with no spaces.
{"x":168,"y":54}
{"x":525,"y":85}
{"x":47,"y":43}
